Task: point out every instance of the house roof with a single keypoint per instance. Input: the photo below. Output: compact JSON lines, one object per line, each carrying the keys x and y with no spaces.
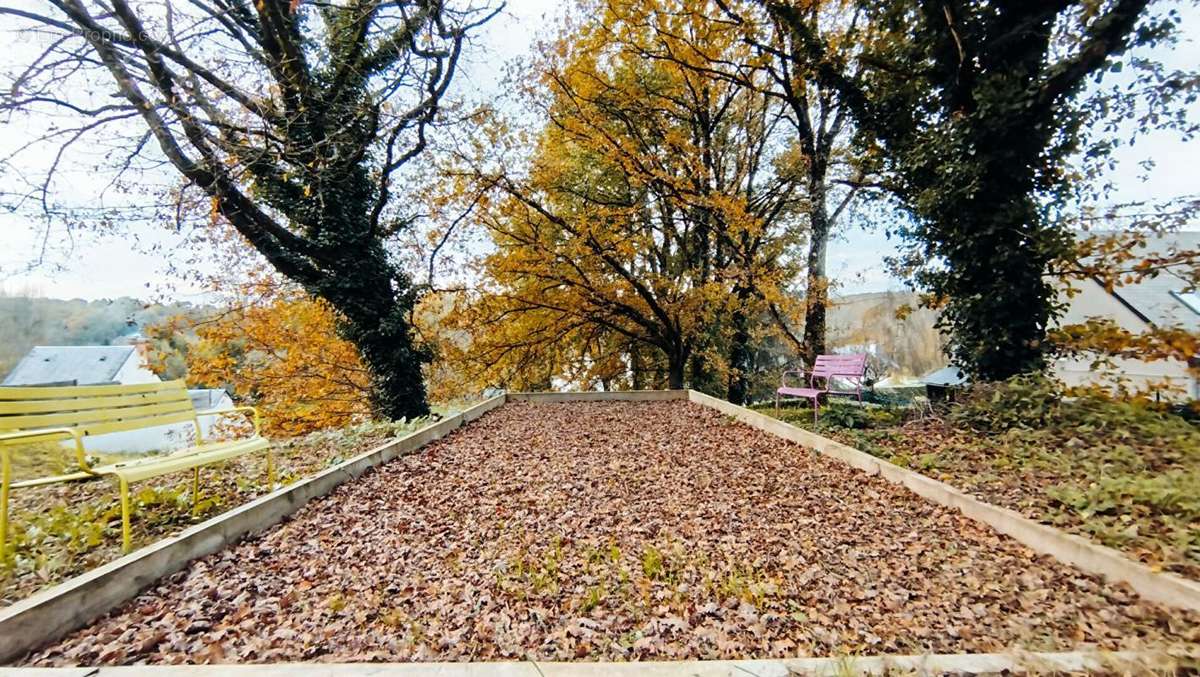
{"x":82,"y":365}
{"x":1156,"y":299}
{"x":946,"y":376}
{"x":204,"y":399}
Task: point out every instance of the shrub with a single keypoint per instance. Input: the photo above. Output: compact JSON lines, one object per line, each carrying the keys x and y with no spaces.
{"x":845,"y":416}
{"x":1028,"y":401}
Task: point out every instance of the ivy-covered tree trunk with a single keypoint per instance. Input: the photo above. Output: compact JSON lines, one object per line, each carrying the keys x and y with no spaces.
{"x":675,"y":374}
{"x":740,"y":353}
{"x":972,"y":106}
{"x":291,"y":118}
{"x":1000,"y":263}
{"x":997,"y":263}
{"x":677,"y":362}
{"x":375,"y":302}
{"x":816,"y":302}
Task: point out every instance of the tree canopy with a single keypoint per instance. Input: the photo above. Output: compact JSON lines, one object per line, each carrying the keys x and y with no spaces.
{"x":976,"y":110}
{"x":292,"y":118}
{"x":655,"y":226}
{"x":655,"y":208}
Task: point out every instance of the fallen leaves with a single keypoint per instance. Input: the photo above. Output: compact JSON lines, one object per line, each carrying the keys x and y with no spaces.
{"x":620,"y":530}
{"x":1122,"y":476}
{"x":47,"y":520}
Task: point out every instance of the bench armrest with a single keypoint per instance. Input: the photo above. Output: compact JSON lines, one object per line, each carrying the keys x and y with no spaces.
{"x":80,"y":454}
{"x":218,"y":412}
{"x":794,"y":372}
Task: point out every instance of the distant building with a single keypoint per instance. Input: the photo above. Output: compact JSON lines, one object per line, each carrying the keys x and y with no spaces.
{"x":209,"y":399}
{"x":946,"y":377}
{"x":134,"y":338}
{"x":1162,"y":301}
{"x":80,"y":365}
{"x":103,"y":365}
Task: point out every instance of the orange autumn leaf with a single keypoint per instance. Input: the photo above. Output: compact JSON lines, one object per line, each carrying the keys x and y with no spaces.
{"x":282,"y":353}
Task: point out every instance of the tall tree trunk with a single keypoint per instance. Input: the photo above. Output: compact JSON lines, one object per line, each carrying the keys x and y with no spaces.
{"x":738,"y":387}
{"x":397,"y":384}
{"x":374,"y":301}
{"x":817,"y":295}
{"x":637,"y":371}
{"x":676,"y":365}
{"x":1008,"y":258}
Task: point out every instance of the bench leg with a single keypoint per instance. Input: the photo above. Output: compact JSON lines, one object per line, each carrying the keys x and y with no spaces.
{"x":195,"y":488}
{"x":816,"y":405}
{"x":270,"y":469}
{"x":126,"y":537}
{"x":6,"y":473}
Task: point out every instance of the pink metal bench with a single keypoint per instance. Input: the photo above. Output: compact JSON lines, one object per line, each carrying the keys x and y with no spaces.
{"x":851,"y":367}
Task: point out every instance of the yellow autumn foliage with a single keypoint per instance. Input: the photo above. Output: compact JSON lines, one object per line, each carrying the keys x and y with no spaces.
{"x":654,"y":228}
{"x":281,"y":352}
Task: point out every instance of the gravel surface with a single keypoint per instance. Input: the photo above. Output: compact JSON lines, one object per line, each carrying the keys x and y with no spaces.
{"x":617,"y":531}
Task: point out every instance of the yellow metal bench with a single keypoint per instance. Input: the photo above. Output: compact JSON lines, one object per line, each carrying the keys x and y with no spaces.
{"x":54,"y":414}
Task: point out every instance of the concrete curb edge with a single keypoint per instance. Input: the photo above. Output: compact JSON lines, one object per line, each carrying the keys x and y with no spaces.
{"x":1134,"y":662}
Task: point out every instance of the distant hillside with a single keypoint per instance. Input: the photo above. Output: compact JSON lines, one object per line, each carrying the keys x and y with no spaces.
{"x":29,"y":321}
{"x":912,"y":345}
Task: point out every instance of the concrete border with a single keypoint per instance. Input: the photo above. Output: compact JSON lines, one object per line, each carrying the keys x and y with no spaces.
{"x":51,"y":613}
{"x":597,"y":396}
{"x":1130,"y":662}
{"x":1161,"y":587}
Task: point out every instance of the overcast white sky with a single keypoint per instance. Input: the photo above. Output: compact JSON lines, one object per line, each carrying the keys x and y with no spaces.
{"x":120,"y":264}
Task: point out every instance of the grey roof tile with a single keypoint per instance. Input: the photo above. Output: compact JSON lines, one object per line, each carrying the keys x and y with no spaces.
{"x":62,"y":364}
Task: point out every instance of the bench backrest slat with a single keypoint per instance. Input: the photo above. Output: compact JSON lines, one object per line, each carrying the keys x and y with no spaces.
{"x":95,"y":410}
{"x":847,"y":366}
{"x":11,"y":407}
{"x":52,"y":392}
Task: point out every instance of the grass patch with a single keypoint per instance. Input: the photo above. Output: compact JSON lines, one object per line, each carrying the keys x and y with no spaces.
{"x":62,"y":530}
{"x":1124,"y":475}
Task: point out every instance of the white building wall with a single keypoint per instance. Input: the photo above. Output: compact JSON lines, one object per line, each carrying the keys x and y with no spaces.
{"x":158,"y":438}
{"x":135,"y":371}
{"x":208,"y":422}
{"x":1091,"y":301}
